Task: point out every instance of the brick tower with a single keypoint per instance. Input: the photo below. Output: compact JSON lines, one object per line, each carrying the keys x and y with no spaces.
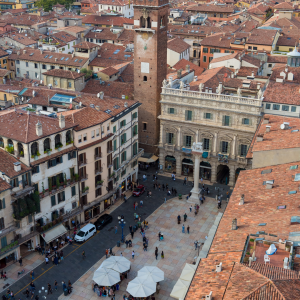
{"x":150,"y":66}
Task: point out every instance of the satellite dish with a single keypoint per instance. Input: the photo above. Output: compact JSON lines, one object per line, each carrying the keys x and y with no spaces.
{"x":282,"y":126}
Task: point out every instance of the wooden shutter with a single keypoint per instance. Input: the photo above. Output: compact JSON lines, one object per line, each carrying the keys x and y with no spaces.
{"x":115,"y":145}
{"x":73,"y":190}
{"x":61,"y":159}
{"x":240,"y":150}
{"x":69,"y":156}
{"x":125,"y":155}
{"x":125,"y":139}
{"x":37,"y":169}
{"x":228,"y":148}
{"x":209,"y":144}
{"x":17,"y":180}
{"x":63,"y":196}
{"x":3,"y":203}
{"x":53,"y":200}
{"x":211,"y":116}
{"x":223,"y":120}
{"x":118,"y":162}
{"x":167,"y":137}
{"x":186,"y":115}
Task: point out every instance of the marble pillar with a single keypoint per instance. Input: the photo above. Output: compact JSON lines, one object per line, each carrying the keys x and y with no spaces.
{"x":196,"y":191}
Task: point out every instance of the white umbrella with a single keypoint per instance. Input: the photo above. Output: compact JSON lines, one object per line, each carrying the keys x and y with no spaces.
{"x":141,"y":288}
{"x":180,"y":289}
{"x":188,"y":272}
{"x":117,"y":263}
{"x":106,"y":277}
{"x":152,"y":272}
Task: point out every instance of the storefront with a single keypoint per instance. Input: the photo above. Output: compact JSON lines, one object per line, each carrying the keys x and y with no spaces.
{"x":170,"y":164}
{"x":205,"y":170}
{"x":128,"y":181}
{"x":187,"y":167}
{"x":9,"y":257}
{"x":88,"y":214}
{"x":123,"y":186}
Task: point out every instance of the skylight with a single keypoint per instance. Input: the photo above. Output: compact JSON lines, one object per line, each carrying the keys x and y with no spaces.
{"x":50,"y":56}
{"x":76,"y":59}
{"x":266,"y":171}
{"x":67,"y":58}
{"x":295,"y":130}
{"x":108,"y":111}
{"x":31,"y":54}
{"x":81,"y":60}
{"x":294,"y":167}
{"x":46,"y":56}
{"x":62,"y":58}
{"x":292,"y":192}
{"x":268,"y":182}
{"x":116,"y":106}
{"x":117,"y":51}
{"x":297,"y":177}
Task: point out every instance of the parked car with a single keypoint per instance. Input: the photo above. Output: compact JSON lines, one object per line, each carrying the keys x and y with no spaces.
{"x":139,"y":191}
{"x":85,"y":233}
{"x":102,"y":221}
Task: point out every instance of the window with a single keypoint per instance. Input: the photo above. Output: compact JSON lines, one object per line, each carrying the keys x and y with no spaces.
{"x":276,"y":106}
{"x":98,"y":192}
{"x":243,"y":150}
{"x":208,"y":116}
{"x":188,"y":141}
{"x":226,"y":121}
{"x":123,"y":138}
{"x":27,"y":64}
{"x":144,"y":126}
{"x":172,"y":111}
{"x":79,"y":139}
{"x":53,"y":201}
{"x":18,"y":70}
{"x":69,"y":84}
{"x":123,"y":156}
{"x":134,"y":115}
{"x":2,"y":204}
{"x":29,"y":219}
{"x":224,"y":147}
{"x":34,"y":149}
{"x":170,"y":138}
{"x":61,"y":197}
{"x":3,"y":240}
{"x":145,"y":78}
{"x":115,"y":145}
{"x":205,"y":50}
{"x":35,"y":66}
{"x":122,"y":123}
{"x":114,"y":129}
{"x":116,"y":163}
{"x":93,"y":134}
{"x":188,"y":115}
{"x":254,"y":48}
{"x":250,"y":47}
{"x":285,"y":108}
{"x":135,"y":149}
{"x":14,"y":182}
{"x":268,"y":106}
{"x":205,"y":144}
{"x":74,"y":205}
{"x":97,"y":132}
{"x":270,"y":65}
{"x":17,"y":62}
{"x":55,"y":82}
{"x":293,"y":109}
{"x":44,"y":67}
{"x":246,"y":121}
{"x":204,"y":58}
{"x":71,"y":155}
{"x":210,"y":59}
{"x":35,"y":169}
{"x":211,"y":50}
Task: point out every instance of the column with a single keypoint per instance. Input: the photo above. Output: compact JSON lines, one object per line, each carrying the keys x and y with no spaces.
{"x":213,"y":177}
{"x":161,"y":134}
{"x":231,"y":175}
{"x":197,"y":136}
{"x":162,"y":158}
{"x":195,"y":191}
{"x":178,"y":165}
{"x":179,"y":138}
{"x":215,"y":144}
{"x":233,"y":149}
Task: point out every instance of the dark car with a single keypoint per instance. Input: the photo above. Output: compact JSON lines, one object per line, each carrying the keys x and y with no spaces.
{"x":102,"y":221}
{"x":138,"y":191}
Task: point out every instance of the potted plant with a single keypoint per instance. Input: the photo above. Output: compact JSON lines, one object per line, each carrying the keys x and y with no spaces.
{"x":76,"y":176}
{"x":38,"y":154}
{"x":50,"y":184}
{"x":32,"y":156}
{"x":57,"y":183}
{"x":65,"y":180}
{"x":21,"y":153}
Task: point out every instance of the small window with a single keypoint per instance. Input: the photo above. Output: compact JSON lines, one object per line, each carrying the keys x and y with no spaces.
{"x":97,"y":132}
{"x":206,"y":144}
{"x":145,"y":78}
{"x":188,"y":141}
{"x":170,"y":138}
{"x":144,"y":126}
{"x":243,"y":150}
{"x":171,"y":111}
{"x":84,"y":137}
{"x":207,"y":116}
{"x":246,"y":121}
{"x":285,"y":108}
{"x":293,"y":109}
{"x":204,"y":58}
{"x":276,"y":106}
{"x":205,"y":50}
{"x":79,"y":139}
{"x":270,"y":65}
{"x":254,"y":48}
{"x":224,"y":147}
{"x":69,"y":84}
{"x":226,"y":120}
{"x":188,"y":115}
{"x":93,"y":134}
{"x":268,"y":106}
{"x":74,"y":205}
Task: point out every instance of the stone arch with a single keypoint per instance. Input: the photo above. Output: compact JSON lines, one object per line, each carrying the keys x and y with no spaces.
{"x":223,"y":173}
{"x":47,"y":144}
{"x":20,"y":150}
{"x":58,"y":140}
{"x":170,"y":163}
{"x":1,"y":142}
{"x":34,"y":149}
{"x":205,"y":170}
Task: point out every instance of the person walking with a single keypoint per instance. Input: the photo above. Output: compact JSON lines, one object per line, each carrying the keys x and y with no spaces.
{"x":183,"y":229}
{"x":83,"y":254}
{"x":116,"y":229}
{"x":159,"y":187}
{"x":191,"y":207}
{"x":64,"y":286}
{"x":130,"y":228}
{"x":219,"y":204}
{"x":32,"y":286}
{"x":163,"y":187}
{"x":106,"y":253}
{"x":20,"y":261}
{"x":162,"y":255}
{"x":132,"y":254}
{"x":132,"y":233}
{"x":49,"y":289}
{"x":141,"y":203}
{"x":196,"y":245}
{"x":55,"y":285}
{"x":156,"y":252}
{"x":32,"y":275}
{"x":188,"y":229}
{"x":27,"y":293}
{"x":165,"y":199}
{"x":184,"y":181}
{"x":61,"y":255}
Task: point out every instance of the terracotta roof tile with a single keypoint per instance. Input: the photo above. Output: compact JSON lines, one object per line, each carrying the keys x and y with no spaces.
{"x":262,"y":37}
{"x":183,"y":63}
{"x":63,"y":74}
{"x":289,"y":288}
{"x":63,"y":36}
{"x":212,"y":8}
{"x":225,"y":57}
{"x":178,"y":45}
{"x":246,"y":71}
{"x":85,"y":45}
{"x":4,"y":185}
{"x":109,"y":71}
{"x":106,"y":20}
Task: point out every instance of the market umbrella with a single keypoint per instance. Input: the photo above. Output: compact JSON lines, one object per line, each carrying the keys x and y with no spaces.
{"x":151,"y":272}
{"x":188,"y":272}
{"x":141,"y":288}
{"x":117,"y":263}
{"x":180,"y":289}
{"x":106,"y":277}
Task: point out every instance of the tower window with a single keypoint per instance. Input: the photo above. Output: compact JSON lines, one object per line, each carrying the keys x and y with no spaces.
{"x":144,"y":126}
{"x":145,"y":78}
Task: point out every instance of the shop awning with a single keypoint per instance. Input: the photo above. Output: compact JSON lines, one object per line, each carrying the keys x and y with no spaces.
{"x":54,"y":233}
{"x":152,"y":159}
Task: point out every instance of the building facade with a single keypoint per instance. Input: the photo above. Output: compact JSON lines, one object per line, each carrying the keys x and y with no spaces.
{"x":224,"y":124}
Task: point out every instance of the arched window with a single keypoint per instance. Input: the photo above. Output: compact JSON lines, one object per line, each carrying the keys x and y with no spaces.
{"x":1,"y":142}
{"x":34,"y":149}
{"x":145,"y":78}
{"x":10,"y":146}
{"x":20,"y":150}
{"x":142,"y":22}
{"x":47,"y":146}
{"x":68,"y":137}
{"x":148,"y":22}
{"x":10,"y":143}
{"x":57,"y":141}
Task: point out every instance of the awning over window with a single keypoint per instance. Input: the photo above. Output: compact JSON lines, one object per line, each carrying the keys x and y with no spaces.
{"x":54,"y":233}
{"x":153,"y":158}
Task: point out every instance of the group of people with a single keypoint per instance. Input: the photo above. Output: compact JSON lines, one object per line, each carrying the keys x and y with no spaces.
{"x":56,"y":258}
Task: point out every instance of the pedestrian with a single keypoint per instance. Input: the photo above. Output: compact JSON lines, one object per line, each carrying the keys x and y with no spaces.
{"x":83,"y":254}
{"x":162,"y":255}
{"x":46,"y":260}
{"x":55,"y":285}
{"x":191,"y":207}
{"x":167,"y":186}
{"x":20,"y":261}
{"x":61,"y":255}
{"x":141,"y":203}
{"x":27,"y":293}
{"x":163,"y":187}
{"x":132,"y":254}
{"x":184,"y":181}
{"x":49,"y":289}
{"x":153,"y":177}
{"x":150,"y":193}
{"x":175,"y":191}
{"x":12,"y":295}
{"x":132,"y":233}
{"x":159,"y":187}
{"x":64,"y":286}
{"x":156,"y":252}
{"x":130,"y":228}
{"x":188,"y":229}
{"x":121,"y":254}
{"x":183,"y":229}
{"x":196,"y":245}
{"x":201,"y":180}
{"x":165,"y":199}
{"x":32,"y":286}
{"x":219,"y":204}
{"x":106,"y":253}
{"x":32,"y":275}
{"x":116,"y":229}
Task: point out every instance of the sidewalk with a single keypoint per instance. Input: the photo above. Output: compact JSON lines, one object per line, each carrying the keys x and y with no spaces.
{"x":178,"y":247}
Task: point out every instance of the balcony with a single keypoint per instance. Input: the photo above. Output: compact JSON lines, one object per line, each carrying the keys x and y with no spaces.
{"x":169,"y":147}
{"x":109,"y":150}
{"x":110,"y":164}
{"x":82,"y":163}
{"x":99,"y":184}
{"x":242,"y":160}
{"x":98,"y":156}
{"x":84,"y":192}
{"x":7,"y":230}
{"x":111,"y":177}
{"x":83,"y":177}
{"x":98,"y":171}
{"x":22,"y":193}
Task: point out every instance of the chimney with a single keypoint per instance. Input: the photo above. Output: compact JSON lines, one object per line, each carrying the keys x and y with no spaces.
{"x":285,"y":125}
{"x":268,"y":128}
{"x":97,"y":107}
{"x":41,"y":51}
{"x":242,"y":200}
{"x":101,"y":95}
{"x":24,"y":51}
{"x":55,"y":58}
{"x":61,"y":121}
{"x":269,"y":184}
{"x":220,"y":87}
{"x":234,"y":224}
{"x":195,"y":78}
{"x":266,"y":120}
{"x":17,"y":166}
{"x":232,"y":75}
{"x":206,"y":90}
{"x":260,"y":138}
{"x":18,"y":52}
{"x":187,"y":67}
{"x":170,"y":81}
{"x":258,"y":86}
{"x":219,"y":267}
{"x":179,"y":73}
{"x":209,"y":297}
{"x":39,"y":129}
{"x":33,"y":93}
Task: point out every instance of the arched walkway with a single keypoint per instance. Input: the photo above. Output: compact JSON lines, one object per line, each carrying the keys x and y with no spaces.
{"x":205,"y":170}
{"x":170,"y":164}
{"x":187,"y":167}
{"x":223,"y":174}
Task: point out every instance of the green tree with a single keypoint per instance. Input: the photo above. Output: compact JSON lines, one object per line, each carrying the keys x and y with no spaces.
{"x":87,"y":73}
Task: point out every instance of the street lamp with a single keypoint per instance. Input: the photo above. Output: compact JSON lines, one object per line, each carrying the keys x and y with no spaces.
{"x":122,"y":224}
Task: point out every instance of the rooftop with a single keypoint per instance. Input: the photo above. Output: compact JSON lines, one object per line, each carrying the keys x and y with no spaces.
{"x":63,"y":74}
{"x":178,"y":45}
